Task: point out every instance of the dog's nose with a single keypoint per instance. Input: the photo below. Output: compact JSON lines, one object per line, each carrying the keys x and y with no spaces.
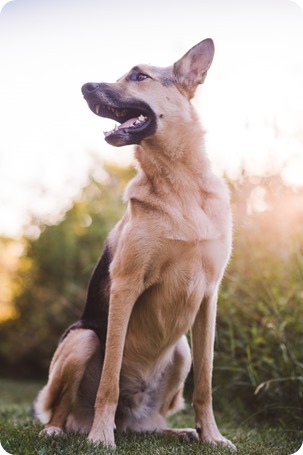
{"x":89,"y":87}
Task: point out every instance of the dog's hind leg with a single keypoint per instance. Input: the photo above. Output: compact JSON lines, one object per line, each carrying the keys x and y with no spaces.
{"x":173,"y":400}
{"x":67,"y":376}
{"x":174,"y":378}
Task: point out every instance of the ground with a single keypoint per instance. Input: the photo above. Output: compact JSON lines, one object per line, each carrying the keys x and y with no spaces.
{"x":19,"y":433}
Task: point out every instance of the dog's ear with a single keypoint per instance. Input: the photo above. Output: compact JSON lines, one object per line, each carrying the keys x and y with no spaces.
{"x":192,"y":68}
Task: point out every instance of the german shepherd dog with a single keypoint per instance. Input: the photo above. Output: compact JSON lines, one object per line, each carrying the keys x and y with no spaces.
{"x":124,"y":363}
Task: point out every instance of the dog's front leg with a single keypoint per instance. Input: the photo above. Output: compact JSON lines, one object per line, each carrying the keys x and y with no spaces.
{"x":123,"y":296}
{"x":203,"y":336}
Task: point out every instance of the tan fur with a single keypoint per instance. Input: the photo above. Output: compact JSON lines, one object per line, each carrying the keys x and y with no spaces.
{"x":169,"y":254}
{"x":75,"y":357}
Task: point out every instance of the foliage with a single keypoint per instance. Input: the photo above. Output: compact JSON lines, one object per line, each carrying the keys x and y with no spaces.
{"x":20,"y":434}
{"x":50,"y":284}
{"x":259,"y":340}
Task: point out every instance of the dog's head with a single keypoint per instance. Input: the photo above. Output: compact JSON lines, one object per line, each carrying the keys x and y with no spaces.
{"x":147,"y":97}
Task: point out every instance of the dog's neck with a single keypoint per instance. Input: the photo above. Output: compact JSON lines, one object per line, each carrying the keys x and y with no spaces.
{"x":172,"y":164}
{"x":179,"y":182}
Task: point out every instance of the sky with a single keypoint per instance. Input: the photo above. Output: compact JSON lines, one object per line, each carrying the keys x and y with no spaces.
{"x":251,"y":104}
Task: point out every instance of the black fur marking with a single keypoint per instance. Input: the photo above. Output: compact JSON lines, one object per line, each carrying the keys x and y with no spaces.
{"x":135,"y":69}
{"x":95,"y":314}
{"x":97,"y":303}
{"x":167,"y":81}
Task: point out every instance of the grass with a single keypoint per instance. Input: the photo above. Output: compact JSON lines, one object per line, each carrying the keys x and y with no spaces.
{"x":19,"y":433}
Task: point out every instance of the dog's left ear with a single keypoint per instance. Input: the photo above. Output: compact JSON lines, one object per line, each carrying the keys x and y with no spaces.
{"x":192,"y":68}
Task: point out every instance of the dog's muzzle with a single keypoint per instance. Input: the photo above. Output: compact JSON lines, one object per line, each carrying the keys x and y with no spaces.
{"x":136,"y":119}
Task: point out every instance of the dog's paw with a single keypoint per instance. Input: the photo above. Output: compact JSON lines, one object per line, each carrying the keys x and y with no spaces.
{"x":220,"y":442}
{"x":103,"y":436}
{"x":215,"y":438}
{"x":188,"y":435}
{"x":51,"y":431}
{"x":224,"y":442}
{"x":183,"y":434}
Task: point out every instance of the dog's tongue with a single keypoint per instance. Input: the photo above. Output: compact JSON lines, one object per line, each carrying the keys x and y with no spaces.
{"x":128,"y":123}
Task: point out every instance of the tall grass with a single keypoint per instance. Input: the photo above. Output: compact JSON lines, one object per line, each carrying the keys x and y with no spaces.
{"x":259,"y":342}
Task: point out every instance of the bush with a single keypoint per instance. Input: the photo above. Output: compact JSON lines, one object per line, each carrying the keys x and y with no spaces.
{"x":259,"y":342}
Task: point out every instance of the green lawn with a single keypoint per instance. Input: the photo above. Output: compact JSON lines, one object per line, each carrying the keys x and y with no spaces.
{"x":19,"y":433}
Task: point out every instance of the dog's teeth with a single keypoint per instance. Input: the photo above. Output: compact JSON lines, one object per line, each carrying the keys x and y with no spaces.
{"x":116,"y":128}
{"x":97,"y":109}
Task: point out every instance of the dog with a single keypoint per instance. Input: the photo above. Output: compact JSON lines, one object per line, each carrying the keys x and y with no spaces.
{"x":123,"y":365}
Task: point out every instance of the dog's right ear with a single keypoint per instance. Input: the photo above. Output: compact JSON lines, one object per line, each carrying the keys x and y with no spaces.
{"x":192,"y":68}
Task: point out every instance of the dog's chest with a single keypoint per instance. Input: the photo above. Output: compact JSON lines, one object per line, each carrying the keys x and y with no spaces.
{"x":186,"y":268}
{"x":175,"y":286}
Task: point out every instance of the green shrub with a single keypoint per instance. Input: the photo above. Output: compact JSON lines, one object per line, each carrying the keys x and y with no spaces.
{"x":259,"y":339}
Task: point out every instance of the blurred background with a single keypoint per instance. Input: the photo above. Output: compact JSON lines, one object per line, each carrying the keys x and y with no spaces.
{"x":61,"y":184}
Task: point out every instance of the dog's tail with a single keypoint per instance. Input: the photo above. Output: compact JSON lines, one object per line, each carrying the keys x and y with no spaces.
{"x":67,"y":370}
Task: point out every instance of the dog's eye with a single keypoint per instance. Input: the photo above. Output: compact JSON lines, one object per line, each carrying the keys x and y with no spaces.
{"x":141,"y":77}
{"x":138,"y":77}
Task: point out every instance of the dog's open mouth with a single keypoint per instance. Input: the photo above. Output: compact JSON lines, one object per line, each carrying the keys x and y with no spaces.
{"x":129,"y":118}
{"x":136,"y":120}
{"x":134,"y":123}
